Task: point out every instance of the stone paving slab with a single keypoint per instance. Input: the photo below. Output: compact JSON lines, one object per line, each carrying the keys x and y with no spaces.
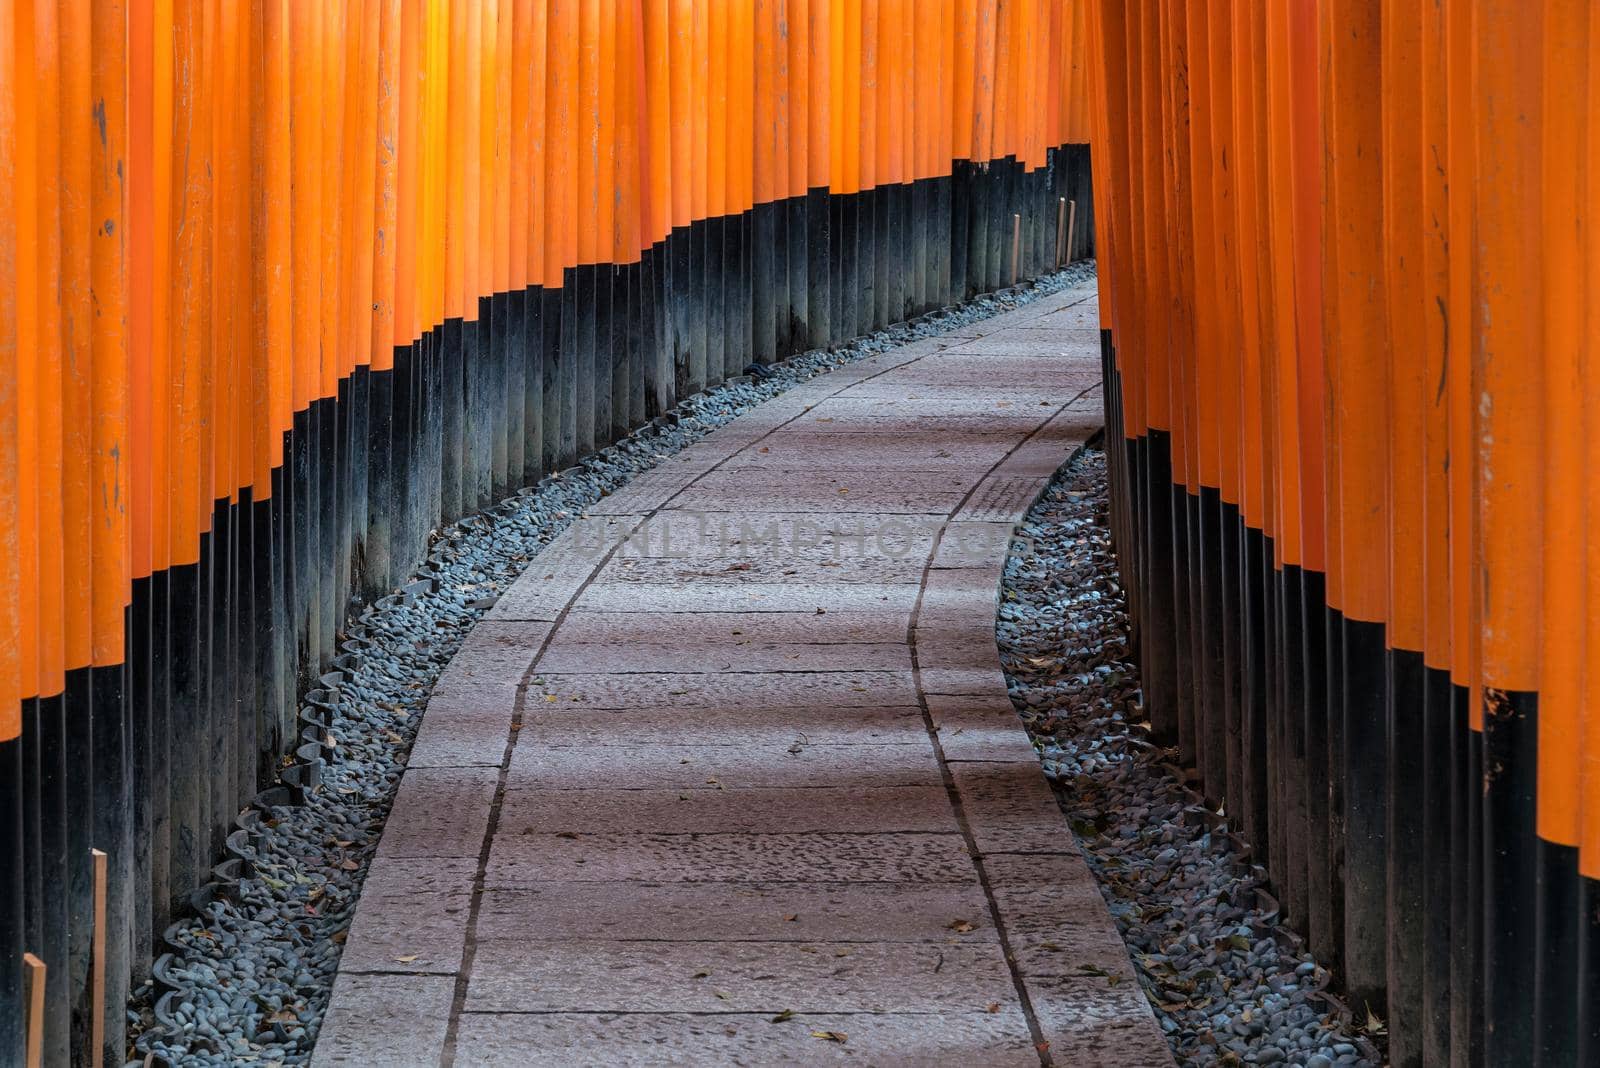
{"x":440,"y":812}
{"x":775,"y":540}
{"x":730,"y":775}
{"x":722,"y":976}
{"x":738,"y":911}
{"x":799,"y":596}
{"x":721,"y":725}
{"x":697,"y":629}
{"x":885,"y":1040}
{"x":1028,"y":346}
{"x":844,"y":564}
{"x":911,"y":492}
{"x":691,"y":690}
{"x":978,"y":727}
{"x":519,"y":860}
{"x":776,"y":765}
{"x":394,"y":1021}
{"x":867,"y":420}
{"x":846,"y":453}
{"x":1009,"y":805}
{"x":742,"y":655}
{"x":413,"y":917}
{"x":758,"y":810}
{"x":462,"y":731}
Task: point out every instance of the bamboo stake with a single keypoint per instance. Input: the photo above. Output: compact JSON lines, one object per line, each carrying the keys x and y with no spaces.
{"x":1072,"y":225}
{"x":1061,"y":229}
{"x":1016,"y":248}
{"x":97,"y":1000}
{"x":36,"y":972}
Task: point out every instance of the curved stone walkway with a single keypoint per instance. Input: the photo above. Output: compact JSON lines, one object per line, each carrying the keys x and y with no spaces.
{"x":730,"y":775}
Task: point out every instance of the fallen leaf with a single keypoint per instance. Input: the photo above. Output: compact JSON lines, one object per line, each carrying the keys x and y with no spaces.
{"x":723,"y":994}
{"x":702,"y":974}
{"x":831,"y":1036}
{"x":959,"y":926}
{"x":567,"y":834}
{"x":792,"y":917}
{"x":784,"y":1016}
{"x":1093,"y":969}
{"x":994,"y":1006}
{"x":348,"y":865}
{"x":407,"y":959}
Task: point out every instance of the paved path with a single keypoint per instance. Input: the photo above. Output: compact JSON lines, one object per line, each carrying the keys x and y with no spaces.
{"x":730,"y":775}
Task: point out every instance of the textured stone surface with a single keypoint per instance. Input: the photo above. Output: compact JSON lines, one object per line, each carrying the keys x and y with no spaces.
{"x":741,"y":911}
{"x":697,"y":630}
{"x":818,"y":724}
{"x":1009,"y":806}
{"x":746,"y":811}
{"x":793,"y":764}
{"x":886,"y":1040}
{"x":724,"y":803}
{"x":698,"y":689}
{"x":796,"y":596}
{"x":517,"y":860}
{"x":721,"y":976}
{"x":413,"y":917}
{"x":440,"y":812}
{"x":462,"y":731}
{"x":386,"y":1021}
{"x":740,"y":655}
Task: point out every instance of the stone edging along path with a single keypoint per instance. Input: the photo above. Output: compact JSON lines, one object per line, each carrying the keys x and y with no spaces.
{"x":730,"y":774}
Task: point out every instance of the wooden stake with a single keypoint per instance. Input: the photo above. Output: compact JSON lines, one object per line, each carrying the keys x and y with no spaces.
{"x":1016,"y":248}
{"x":1072,"y":225}
{"x":36,"y":970}
{"x":1061,"y":229}
{"x":97,"y":999}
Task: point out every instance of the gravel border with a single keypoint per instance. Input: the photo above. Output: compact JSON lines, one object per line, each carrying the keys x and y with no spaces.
{"x":1228,"y":983}
{"x":247,"y":979}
